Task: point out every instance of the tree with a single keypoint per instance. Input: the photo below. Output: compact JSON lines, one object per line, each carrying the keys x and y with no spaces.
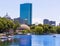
{"x":7,"y":24}
{"x":15,"y":26}
{"x":38,"y":30}
{"x":1,"y":27}
{"x":52,"y":29}
{"x":40,"y":25}
{"x":46,"y":29}
{"x":25,"y":31}
{"x":58,"y":29}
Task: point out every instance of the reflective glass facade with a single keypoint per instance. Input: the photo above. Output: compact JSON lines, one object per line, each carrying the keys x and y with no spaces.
{"x":26,"y":13}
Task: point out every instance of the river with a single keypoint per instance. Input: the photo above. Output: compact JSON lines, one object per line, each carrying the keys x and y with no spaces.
{"x":32,"y":40}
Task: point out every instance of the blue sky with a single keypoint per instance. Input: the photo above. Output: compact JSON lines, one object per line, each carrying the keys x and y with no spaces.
{"x":42,"y":9}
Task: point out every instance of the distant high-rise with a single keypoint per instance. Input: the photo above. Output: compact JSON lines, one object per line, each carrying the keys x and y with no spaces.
{"x":19,"y":20}
{"x":26,"y":13}
{"x":46,"y":21}
{"x":52,"y":23}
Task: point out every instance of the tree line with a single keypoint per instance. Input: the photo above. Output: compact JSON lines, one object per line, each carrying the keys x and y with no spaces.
{"x":45,"y":29}
{"x":7,"y":24}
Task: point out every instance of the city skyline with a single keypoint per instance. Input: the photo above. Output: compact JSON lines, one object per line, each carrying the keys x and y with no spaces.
{"x":42,"y":9}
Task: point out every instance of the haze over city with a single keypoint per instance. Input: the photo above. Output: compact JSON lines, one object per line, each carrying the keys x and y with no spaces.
{"x":42,"y":9}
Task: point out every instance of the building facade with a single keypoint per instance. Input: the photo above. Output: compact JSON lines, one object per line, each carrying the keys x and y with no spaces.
{"x":19,"y":20}
{"x":53,"y":23}
{"x":46,"y":21}
{"x":26,"y":13}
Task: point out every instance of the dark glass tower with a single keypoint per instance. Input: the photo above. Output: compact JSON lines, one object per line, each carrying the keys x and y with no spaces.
{"x":26,"y":13}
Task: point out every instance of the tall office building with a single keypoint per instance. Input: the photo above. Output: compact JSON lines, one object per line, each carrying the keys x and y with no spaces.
{"x":26,"y":13}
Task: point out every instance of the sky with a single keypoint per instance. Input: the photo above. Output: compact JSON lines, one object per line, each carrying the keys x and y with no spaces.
{"x":41,"y":9}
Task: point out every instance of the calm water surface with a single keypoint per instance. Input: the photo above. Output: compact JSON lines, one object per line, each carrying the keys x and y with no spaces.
{"x":32,"y":40}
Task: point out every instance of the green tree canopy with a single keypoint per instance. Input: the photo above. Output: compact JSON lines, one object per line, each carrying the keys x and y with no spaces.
{"x":38,"y":30}
{"x":6,"y":24}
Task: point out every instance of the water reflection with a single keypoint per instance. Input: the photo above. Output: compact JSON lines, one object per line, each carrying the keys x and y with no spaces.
{"x":25,"y":40}
{"x":21,"y":40}
{"x":5,"y":42}
{"x":34,"y":40}
{"x":43,"y":40}
{"x":49,"y":41}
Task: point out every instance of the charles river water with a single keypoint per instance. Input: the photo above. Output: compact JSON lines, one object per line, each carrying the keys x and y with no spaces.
{"x":32,"y":40}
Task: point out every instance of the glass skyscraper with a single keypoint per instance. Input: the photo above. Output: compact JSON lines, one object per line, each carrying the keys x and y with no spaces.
{"x":26,"y":13}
